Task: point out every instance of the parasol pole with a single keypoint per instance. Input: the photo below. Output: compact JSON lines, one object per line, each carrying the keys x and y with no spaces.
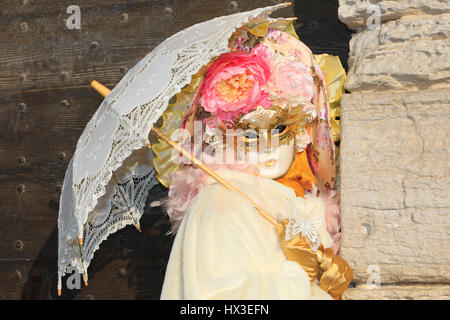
{"x":104,"y":91}
{"x":213,"y":174}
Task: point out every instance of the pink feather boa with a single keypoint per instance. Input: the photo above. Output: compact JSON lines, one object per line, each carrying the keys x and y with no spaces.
{"x":186,"y":184}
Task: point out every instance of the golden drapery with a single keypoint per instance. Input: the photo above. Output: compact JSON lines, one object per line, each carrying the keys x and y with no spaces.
{"x":333,"y":272}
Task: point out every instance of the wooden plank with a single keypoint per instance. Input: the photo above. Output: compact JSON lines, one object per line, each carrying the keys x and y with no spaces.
{"x":105,"y":46}
{"x":49,"y":125}
{"x":131,"y":277}
{"x":129,"y":265}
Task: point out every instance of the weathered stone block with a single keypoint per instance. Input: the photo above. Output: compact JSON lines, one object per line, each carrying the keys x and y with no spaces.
{"x":403,"y":292}
{"x":395,"y":173}
{"x":407,"y":28}
{"x":411,"y":53}
{"x":354,"y":13}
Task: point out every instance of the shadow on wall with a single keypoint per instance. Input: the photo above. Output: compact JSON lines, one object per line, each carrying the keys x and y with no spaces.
{"x":143,"y":257}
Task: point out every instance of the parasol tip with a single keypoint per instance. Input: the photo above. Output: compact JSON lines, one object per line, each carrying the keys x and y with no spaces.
{"x":85,"y":280}
{"x":104,"y":91}
{"x":80,"y":241}
{"x":138,"y":227}
{"x":149,"y":145}
{"x":288,"y":3}
{"x":59,"y":292}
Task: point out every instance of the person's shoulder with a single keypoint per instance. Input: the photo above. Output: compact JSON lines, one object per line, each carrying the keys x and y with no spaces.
{"x":215,"y":195}
{"x":215,"y":203}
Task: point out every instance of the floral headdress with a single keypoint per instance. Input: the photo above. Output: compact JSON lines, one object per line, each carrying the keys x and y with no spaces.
{"x":264,"y":82}
{"x":269,"y":77}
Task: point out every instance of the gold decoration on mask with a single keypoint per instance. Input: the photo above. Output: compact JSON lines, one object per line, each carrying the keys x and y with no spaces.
{"x":333,"y":272}
{"x":259,"y":118}
{"x":269,"y":119}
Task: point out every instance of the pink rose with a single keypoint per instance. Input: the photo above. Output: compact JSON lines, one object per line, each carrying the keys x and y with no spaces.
{"x":291,"y":79}
{"x":233,"y":84}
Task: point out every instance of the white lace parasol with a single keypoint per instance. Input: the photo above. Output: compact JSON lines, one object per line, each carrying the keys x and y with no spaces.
{"x":108,"y":179}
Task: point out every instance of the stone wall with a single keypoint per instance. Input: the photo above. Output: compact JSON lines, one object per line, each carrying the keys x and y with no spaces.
{"x":395,"y":168}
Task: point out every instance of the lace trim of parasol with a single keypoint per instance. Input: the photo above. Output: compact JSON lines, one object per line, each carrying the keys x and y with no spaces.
{"x":127,"y":207}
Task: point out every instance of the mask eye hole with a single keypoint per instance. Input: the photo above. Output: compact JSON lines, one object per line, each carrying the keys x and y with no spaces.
{"x":281,"y":129}
{"x":250,"y":135}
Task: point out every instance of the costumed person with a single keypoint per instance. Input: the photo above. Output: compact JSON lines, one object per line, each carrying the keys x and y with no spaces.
{"x":265,"y":128}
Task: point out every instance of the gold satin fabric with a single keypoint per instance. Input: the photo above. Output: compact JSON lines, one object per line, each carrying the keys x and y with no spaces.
{"x":297,"y":249}
{"x":333,"y":272}
{"x":337,"y":273}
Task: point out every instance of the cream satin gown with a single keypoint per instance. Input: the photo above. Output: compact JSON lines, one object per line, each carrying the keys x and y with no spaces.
{"x":225,"y":250}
